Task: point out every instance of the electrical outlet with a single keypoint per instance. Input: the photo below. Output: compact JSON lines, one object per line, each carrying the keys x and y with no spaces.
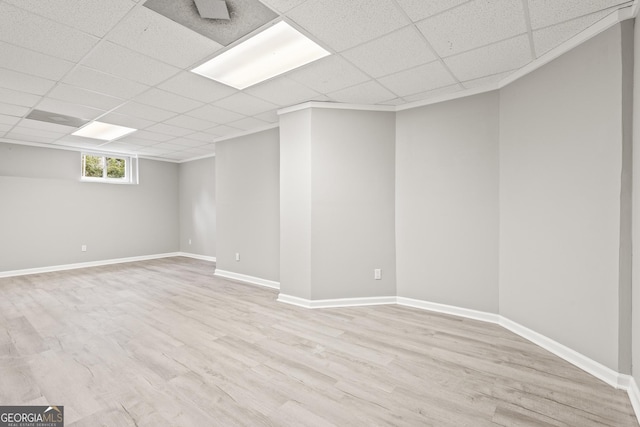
{"x":83,"y":248}
{"x":189,"y":241}
{"x":377,"y":274}
{"x":237,"y":256}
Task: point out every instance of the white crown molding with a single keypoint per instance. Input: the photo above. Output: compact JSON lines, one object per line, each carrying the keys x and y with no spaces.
{"x":602,"y":25}
{"x":247,"y":279}
{"x":336,"y":106}
{"x":449,"y":97}
{"x":193,"y":159}
{"x":197,"y":256}
{"x":49,"y":269}
{"x":338,"y":302}
{"x":248,"y":132}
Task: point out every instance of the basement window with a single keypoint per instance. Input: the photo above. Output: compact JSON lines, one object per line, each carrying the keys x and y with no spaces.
{"x":109,"y":168}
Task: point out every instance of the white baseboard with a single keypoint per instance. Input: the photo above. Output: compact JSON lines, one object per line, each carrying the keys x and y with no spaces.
{"x":247,"y":279}
{"x":583,"y":362}
{"x":197,"y":256}
{"x":338,"y":302}
{"x":449,"y":309}
{"x":634,"y":396}
{"x":63,"y":267}
{"x":598,"y":370}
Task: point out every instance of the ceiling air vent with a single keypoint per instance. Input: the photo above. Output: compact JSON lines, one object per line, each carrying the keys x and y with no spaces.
{"x":212,"y":9}
{"x":59,"y":119}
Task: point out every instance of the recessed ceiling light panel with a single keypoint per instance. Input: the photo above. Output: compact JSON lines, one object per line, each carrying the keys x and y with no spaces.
{"x":274,"y":51}
{"x":103,"y":131}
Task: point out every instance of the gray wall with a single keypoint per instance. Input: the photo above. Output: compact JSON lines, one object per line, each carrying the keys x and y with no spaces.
{"x":636,"y":211}
{"x":352,"y":205}
{"x":197,"y":192}
{"x":447,"y":202}
{"x":247,"y":204}
{"x":46,"y":213}
{"x":560,"y":185}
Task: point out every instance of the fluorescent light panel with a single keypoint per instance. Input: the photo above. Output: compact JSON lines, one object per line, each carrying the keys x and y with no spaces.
{"x":104,"y":131}
{"x":274,"y":51}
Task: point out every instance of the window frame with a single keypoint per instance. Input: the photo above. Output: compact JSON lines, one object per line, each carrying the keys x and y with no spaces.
{"x":130,"y":168}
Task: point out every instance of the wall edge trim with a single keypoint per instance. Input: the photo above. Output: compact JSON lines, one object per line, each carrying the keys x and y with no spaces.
{"x":590,"y":366}
{"x":247,"y":279}
{"x":337,"y":302}
{"x":74,"y":266}
{"x":197,"y":256}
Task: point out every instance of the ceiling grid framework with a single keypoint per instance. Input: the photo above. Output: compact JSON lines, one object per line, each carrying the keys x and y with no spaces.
{"x":121,"y":62}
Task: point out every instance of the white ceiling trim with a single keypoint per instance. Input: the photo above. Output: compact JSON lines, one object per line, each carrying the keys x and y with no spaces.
{"x":335,"y":106}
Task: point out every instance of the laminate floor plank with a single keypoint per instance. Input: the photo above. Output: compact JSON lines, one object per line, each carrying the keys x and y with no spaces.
{"x":164,"y":342}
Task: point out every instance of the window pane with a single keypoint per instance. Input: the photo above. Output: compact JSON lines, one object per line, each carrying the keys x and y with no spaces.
{"x":115,"y":167}
{"x":93,"y":166}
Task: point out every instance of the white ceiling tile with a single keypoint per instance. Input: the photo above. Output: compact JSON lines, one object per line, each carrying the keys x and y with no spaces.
{"x":420,"y":9}
{"x":420,"y":79}
{"x":366,"y":93}
{"x":486,"y":81}
{"x":133,"y":139}
{"x":245,"y":104}
{"x":30,"y":62}
{"x":474,"y":24}
{"x":549,"y":12}
{"x":13,"y":110}
{"x":5,"y":128}
{"x":144,"y":111}
{"x":433,"y":93}
{"x":95,"y":17}
{"x":395,"y":101}
{"x":34,"y":32}
{"x":282,"y":5}
{"x":28,"y":138}
{"x":493,"y":59}
{"x":345,"y":24}
{"x":389,"y":54}
{"x":69,"y":109}
{"x":151,"y":136}
{"x":24,"y":83}
{"x":169,"y":130}
{"x":120,"y":147}
{"x":148,"y":32}
{"x":167,"y":146}
{"x":80,"y":142}
{"x":186,"y":142}
{"x":203,"y":137}
{"x":215,"y":114}
{"x":189,"y":122}
{"x":18,"y":98}
{"x":8,"y":120}
{"x":46,"y":126}
{"x":283,"y":92}
{"x":76,"y":95}
{"x":329,"y":74}
{"x":248,"y":123}
{"x":222,"y":130}
{"x":125,"y":63}
{"x":155,"y":150}
{"x":177,"y":155}
{"x":269,"y":116}
{"x":201,"y":151}
{"x":196,"y":87}
{"x":547,"y":38}
{"x":125,"y":120}
{"x":167,"y":100}
{"x":38,"y":132}
{"x":100,"y":82}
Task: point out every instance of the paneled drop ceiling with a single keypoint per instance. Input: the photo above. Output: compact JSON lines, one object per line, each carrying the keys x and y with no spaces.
{"x":124,"y":63}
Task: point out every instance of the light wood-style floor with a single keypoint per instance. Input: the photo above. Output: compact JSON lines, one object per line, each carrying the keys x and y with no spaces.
{"x":164,"y":343}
